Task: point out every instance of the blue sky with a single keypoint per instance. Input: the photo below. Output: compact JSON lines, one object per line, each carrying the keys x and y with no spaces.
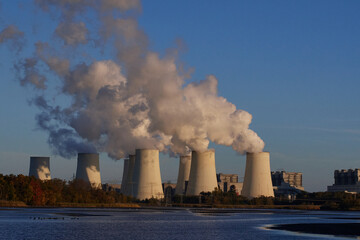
{"x":294,"y":65}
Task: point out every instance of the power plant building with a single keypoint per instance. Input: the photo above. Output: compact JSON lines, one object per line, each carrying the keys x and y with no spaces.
{"x":346,"y":180}
{"x":202,"y":173}
{"x":227,"y":182}
{"x":129,"y":187}
{"x":257,"y":180}
{"x":125,"y":177}
{"x":88,"y":169}
{"x":183,"y":175}
{"x":287,"y":183}
{"x":40,"y":168}
{"x":146,"y":176}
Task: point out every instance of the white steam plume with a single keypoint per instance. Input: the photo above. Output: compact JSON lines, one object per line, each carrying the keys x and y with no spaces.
{"x":136,"y":100}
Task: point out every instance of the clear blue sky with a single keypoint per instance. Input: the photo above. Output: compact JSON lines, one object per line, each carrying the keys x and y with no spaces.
{"x":294,"y":65}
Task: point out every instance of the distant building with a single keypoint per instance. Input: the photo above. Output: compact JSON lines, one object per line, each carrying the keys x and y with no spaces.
{"x":169,"y":191}
{"x":112,"y":187}
{"x":227,"y":182}
{"x":346,"y":180}
{"x":287,"y":184}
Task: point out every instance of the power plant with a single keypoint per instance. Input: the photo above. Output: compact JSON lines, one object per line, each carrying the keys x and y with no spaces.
{"x":40,"y":168}
{"x":146,"y":180}
{"x":183,"y":175}
{"x":257,"y":180}
{"x":125,"y":176}
{"x":127,"y":182}
{"x":202,"y":173}
{"x":130,"y":174}
{"x":197,"y":173}
{"x":88,"y":169}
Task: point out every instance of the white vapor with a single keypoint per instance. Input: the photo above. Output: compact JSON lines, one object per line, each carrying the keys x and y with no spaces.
{"x":135,"y":100}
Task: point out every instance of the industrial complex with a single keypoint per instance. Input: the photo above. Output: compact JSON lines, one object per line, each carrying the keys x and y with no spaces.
{"x":141,"y":176}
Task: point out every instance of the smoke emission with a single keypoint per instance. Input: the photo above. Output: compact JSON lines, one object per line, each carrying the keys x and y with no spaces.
{"x":136,"y":99}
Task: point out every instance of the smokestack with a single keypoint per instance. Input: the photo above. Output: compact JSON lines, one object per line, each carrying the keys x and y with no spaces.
{"x":146,"y":176}
{"x":202,"y":173}
{"x":40,"y":168}
{"x":130,"y":175}
{"x":257,"y":181}
{"x":88,"y":169}
{"x":183,"y":175}
{"x":125,"y":176}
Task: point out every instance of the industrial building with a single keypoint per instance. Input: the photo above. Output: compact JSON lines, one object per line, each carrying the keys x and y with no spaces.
{"x":146,"y":180}
{"x":346,"y":180}
{"x":257,"y":180}
{"x":183,"y":175}
{"x":287,"y":184}
{"x":202,"y":173}
{"x":88,"y":169}
{"x":40,"y":168}
{"x":227,"y":182}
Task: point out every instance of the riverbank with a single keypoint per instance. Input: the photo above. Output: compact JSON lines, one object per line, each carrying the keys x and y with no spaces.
{"x":4,"y":203}
{"x":71,"y":205}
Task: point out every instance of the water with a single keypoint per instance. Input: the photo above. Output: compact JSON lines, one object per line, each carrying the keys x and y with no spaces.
{"x":57,"y":223}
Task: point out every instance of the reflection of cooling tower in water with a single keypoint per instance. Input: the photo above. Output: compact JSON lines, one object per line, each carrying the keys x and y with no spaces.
{"x":146,"y":176}
{"x":125,"y":176}
{"x":40,"y":168}
{"x":202,"y":173}
{"x":257,"y":181}
{"x":130,"y":174}
{"x":183,"y":175}
{"x":88,"y":169}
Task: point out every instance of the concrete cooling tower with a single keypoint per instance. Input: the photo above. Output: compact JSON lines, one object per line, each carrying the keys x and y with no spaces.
{"x":183,"y":175}
{"x":40,"y":168}
{"x":129,"y":178}
{"x":146,"y":176}
{"x":202,"y":173}
{"x":125,"y":176}
{"x":88,"y":169}
{"x":257,"y":181}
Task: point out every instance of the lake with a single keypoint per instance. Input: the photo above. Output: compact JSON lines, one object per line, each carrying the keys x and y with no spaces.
{"x":162,"y":223}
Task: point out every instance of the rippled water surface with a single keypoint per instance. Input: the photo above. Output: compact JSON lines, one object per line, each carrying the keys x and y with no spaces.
{"x":57,"y":223}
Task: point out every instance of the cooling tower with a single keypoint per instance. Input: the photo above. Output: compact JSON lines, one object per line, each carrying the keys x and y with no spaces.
{"x":40,"y":168}
{"x":88,"y":169}
{"x":183,"y":175}
{"x":129,"y":181}
{"x":202,"y":173}
{"x":125,"y":176}
{"x":146,"y":176}
{"x":257,"y":181}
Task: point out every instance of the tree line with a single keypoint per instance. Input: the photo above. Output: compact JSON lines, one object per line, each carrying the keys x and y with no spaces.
{"x":35,"y":192}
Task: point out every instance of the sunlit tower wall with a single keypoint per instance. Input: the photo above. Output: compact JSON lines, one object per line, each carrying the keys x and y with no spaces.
{"x":183,"y":175}
{"x":40,"y":168}
{"x":146,"y":176}
{"x":257,"y":180}
{"x":125,"y":176}
{"x":202,"y":173}
{"x":129,"y":181}
{"x":88,"y":169}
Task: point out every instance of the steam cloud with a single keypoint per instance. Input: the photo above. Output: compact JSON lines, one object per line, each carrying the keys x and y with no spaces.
{"x":136,"y":100}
